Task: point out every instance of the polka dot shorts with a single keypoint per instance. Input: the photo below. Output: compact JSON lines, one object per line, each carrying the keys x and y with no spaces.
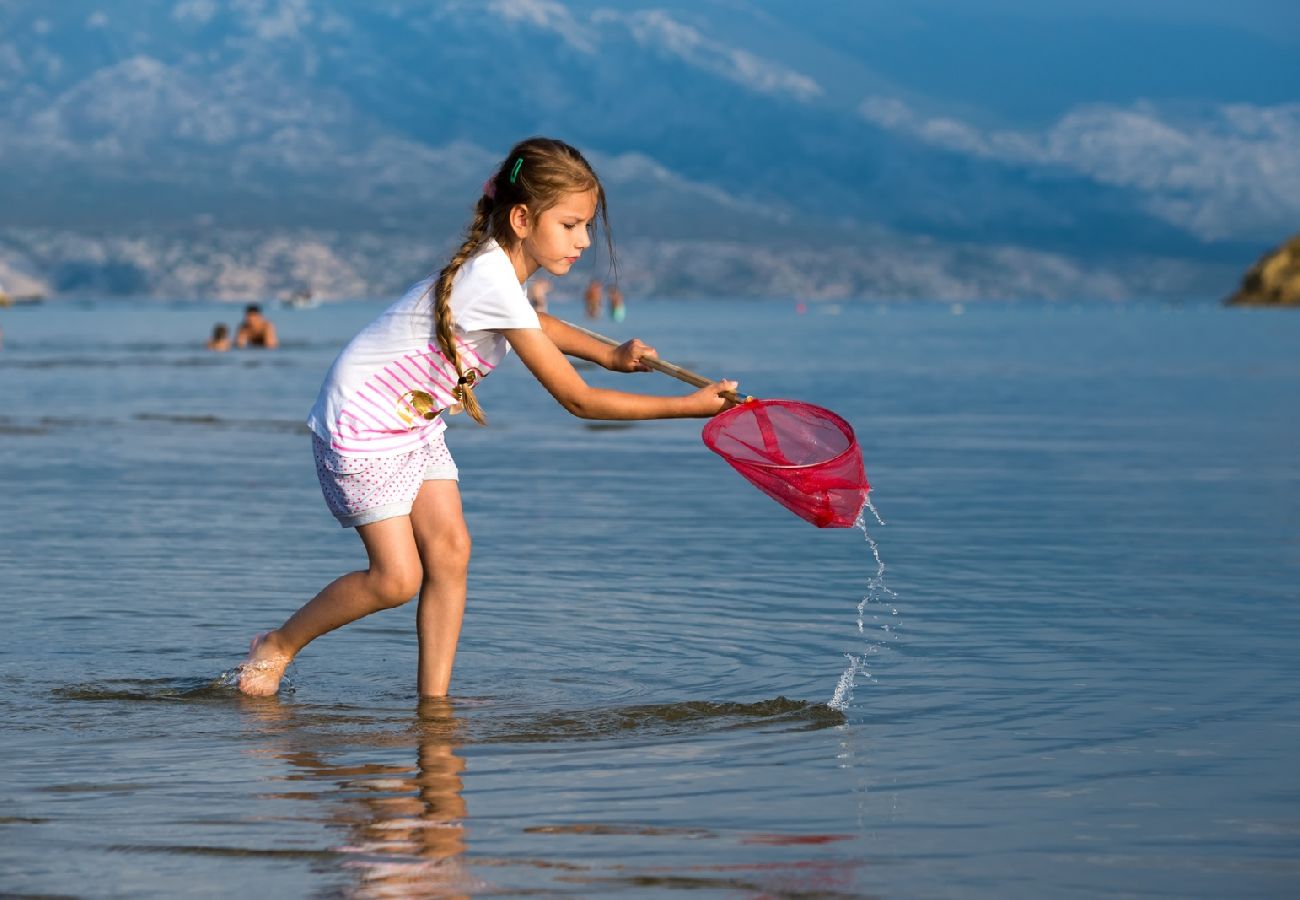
{"x":363,"y":489}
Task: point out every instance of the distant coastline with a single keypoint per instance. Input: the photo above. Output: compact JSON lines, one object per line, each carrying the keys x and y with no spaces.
{"x":263,"y":264}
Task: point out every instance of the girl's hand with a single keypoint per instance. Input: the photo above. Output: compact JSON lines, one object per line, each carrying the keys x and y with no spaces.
{"x":627,"y":356}
{"x":708,"y":400}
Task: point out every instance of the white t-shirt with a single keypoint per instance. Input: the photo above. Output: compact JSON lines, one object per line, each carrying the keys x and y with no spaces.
{"x":384,"y":393}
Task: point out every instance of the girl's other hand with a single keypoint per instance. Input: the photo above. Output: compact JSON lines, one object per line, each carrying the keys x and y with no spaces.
{"x":708,"y":400}
{"x":627,"y":356}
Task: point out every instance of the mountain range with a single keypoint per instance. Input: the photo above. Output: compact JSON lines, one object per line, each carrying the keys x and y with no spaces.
{"x":247,"y":148}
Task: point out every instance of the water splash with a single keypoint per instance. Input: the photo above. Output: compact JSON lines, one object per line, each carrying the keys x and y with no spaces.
{"x":878,"y":596}
{"x":230,"y":679}
{"x":848,"y":680}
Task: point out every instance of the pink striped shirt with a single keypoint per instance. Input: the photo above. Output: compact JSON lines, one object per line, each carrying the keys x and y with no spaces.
{"x":386,"y":391}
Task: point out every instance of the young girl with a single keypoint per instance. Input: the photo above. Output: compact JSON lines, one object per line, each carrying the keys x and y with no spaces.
{"x":377,"y":428}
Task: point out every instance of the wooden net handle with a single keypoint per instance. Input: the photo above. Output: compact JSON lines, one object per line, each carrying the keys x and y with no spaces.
{"x":659,"y":365}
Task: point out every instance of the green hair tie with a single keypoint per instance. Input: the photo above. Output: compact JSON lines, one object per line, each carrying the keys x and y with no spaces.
{"x":514,"y":173}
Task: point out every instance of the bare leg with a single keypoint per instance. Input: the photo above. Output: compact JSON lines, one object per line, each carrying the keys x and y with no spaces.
{"x":392,"y":579}
{"x":444,"y":545}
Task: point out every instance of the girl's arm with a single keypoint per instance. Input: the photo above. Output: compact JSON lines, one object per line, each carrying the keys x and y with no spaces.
{"x":544,"y":359}
{"x":626,"y":357}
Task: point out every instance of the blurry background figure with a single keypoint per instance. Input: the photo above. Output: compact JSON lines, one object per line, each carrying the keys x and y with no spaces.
{"x":301,"y":298}
{"x":256,"y":330}
{"x":592,"y":299}
{"x":220,"y":340}
{"x":537,"y":291}
{"x":616,"y":308}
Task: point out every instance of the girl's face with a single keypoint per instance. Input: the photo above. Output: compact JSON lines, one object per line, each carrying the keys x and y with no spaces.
{"x":556,"y":239}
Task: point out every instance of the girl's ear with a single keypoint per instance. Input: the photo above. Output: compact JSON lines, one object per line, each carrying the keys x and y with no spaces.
{"x":519,"y":220}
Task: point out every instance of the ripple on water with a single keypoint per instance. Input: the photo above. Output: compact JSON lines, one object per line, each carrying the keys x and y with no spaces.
{"x":487,"y":721}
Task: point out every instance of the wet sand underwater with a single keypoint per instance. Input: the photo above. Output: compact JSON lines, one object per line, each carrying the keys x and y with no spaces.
{"x":1082,"y":683}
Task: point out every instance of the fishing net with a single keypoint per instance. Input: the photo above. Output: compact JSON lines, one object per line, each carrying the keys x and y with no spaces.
{"x":802,"y":456}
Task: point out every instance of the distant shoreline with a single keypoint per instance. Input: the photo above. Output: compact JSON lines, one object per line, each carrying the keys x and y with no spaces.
{"x":243,"y":265}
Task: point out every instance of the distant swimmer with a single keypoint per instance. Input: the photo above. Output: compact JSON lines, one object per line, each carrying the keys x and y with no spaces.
{"x":538,"y":289}
{"x":617,"y":311}
{"x":220,"y":340}
{"x":591,"y":298}
{"x":256,"y":330}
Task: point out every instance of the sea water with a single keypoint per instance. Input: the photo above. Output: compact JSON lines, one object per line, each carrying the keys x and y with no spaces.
{"x":1090,"y":685}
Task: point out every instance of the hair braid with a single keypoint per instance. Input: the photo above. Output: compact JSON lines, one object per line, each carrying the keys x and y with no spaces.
{"x":475,"y":235}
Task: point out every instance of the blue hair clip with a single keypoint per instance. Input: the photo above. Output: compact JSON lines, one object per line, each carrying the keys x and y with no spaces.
{"x":514,"y":173}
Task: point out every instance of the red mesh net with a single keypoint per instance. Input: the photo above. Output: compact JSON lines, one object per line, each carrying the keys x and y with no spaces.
{"x":802,"y":456}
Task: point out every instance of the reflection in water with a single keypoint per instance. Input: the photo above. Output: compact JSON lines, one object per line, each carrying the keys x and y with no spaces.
{"x":372,"y":798}
{"x":404,"y":823}
{"x":393,"y":784}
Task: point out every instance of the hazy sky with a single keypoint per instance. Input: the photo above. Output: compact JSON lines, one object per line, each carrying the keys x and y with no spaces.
{"x":1027,"y":61}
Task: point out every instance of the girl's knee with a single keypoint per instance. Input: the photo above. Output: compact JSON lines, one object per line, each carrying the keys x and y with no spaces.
{"x":394,"y":586}
{"x":449,"y":549}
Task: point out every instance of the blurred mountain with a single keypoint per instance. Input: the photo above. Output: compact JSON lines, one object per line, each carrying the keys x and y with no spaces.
{"x":158,"y":146}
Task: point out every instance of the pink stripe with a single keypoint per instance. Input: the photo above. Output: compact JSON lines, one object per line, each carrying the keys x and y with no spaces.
{"x":480,"y":363}
{"x":337,"y":431}
{"x":369,"y":422}
{"x":413,"y":439}
{"x":409,"y":374}
{"x":435,"y":350}
{"x":438,"y":351}
{"x":377,"y":399}
{"x":339,"y":424}
{"x":464,"y":346}
{"x":382,"y":411}
{"x":364,"y":443}
{"x":378,"y":376}
{"x":425,"y":383}
{"x":366,"y":450}
{"x":401,"y":378}
{"x":436,"y":368}
{"x":350,"y":414}
{"x":363,"y":399}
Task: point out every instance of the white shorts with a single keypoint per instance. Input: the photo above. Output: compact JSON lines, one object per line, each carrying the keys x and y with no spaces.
{"x":363,"y":489}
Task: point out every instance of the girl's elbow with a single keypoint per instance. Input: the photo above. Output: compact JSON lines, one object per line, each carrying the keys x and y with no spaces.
{"x":575,"y":406}
{"x":588,"y":404}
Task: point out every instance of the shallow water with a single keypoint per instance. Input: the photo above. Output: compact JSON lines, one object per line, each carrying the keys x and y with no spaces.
{"x":1087,"y":682}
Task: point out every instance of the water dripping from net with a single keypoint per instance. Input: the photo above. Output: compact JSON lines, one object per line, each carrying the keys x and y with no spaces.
{"x":877,"y":598}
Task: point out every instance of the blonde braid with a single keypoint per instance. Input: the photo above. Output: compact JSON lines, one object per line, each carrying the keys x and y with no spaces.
{"x":475,"y":235}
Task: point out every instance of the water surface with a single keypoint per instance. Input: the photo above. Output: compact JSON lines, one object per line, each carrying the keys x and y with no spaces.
{"x":1085,"y":684}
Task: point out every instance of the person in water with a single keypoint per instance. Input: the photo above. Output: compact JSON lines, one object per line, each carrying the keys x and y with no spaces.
{"x":591,"y":299}
{"x":220,"y":340}
{"x":538,"y":290}
{"x":256,"y":330}
{"x":377,"y":424}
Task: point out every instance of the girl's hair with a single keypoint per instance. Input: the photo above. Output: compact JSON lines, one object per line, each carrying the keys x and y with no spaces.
{"x":537,"y":173}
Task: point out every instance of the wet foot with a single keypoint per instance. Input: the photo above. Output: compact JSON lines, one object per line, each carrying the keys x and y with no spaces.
{"x":260,"y":674}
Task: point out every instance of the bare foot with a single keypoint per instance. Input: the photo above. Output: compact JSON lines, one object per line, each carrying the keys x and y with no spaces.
{"x":260,"y":674}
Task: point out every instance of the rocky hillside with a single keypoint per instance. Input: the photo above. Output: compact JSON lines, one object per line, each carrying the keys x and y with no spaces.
{"x":194,"y":147}
{"x":1272,"y":281}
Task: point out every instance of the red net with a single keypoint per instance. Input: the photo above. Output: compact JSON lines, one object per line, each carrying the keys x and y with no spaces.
{"x":802,"y":456}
